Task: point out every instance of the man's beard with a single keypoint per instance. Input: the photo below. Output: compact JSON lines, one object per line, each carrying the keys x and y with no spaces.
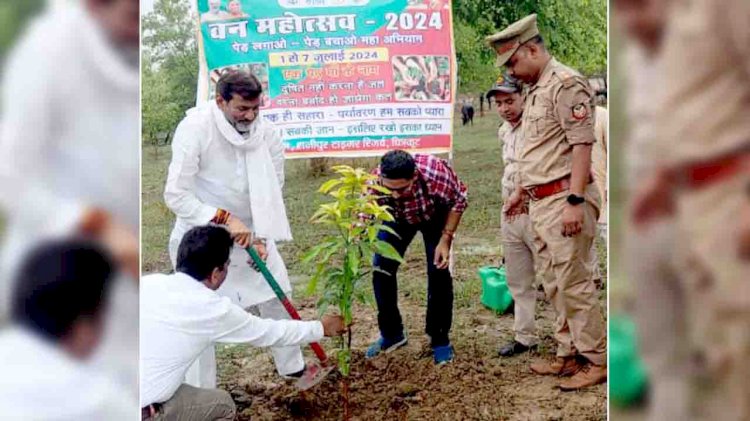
{"x":243,"y":127}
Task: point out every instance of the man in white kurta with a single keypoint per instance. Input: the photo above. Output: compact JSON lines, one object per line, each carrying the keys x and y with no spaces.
{"x":70,"y":151}
{"x":228,"y":167}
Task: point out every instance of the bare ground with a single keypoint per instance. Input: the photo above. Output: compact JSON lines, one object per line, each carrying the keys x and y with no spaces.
{"x":407,"y":385}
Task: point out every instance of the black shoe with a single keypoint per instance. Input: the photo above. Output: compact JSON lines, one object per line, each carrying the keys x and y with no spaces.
{"x":514,"y":348}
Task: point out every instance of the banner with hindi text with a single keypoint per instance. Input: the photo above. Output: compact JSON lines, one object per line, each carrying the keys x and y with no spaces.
{"x":340,"y":77}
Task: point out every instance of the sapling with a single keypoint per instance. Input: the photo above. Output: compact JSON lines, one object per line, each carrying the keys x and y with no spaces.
{"x":343,"y":258}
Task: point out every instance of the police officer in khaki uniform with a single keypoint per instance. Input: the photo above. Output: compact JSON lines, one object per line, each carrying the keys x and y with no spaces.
{"x":658,"y":288}
{"x":517,"y":235}
{"x":701,"y":180}
{"x":555,"y":168}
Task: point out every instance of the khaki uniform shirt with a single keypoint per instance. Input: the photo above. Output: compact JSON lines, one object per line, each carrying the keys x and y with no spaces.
{"x":557,"y":115}
{"x":512,"y":142}
{"x":706,"y":93}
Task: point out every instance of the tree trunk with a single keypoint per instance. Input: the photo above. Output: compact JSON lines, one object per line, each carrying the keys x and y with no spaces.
{"x":345,"y":392}
{"x":347,"y":345}
{"x":156,"y":146}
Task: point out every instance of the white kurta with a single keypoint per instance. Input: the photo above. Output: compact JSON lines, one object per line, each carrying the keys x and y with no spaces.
{"x":70,"y":133}
{"x":181,"y":317}
{"x":39,"y":382}
{"x":69,"y":140}
{"x":207,"y":173}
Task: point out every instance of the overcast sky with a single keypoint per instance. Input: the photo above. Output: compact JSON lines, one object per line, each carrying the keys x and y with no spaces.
{"x":147,"y":6}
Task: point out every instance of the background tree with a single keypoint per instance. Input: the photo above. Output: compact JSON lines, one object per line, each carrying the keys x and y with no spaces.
{"x":170,"y":65}
{"x":160,"y":113}
{"x":575,"y":32}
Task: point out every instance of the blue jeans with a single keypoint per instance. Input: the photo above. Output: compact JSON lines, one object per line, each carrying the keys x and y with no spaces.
{"x":439,"y":283}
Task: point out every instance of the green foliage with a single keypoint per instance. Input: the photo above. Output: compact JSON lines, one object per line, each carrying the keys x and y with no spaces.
{"x":575,"y":31}
{"x":343,"y":259}
{"x":14,"y":15}
{"x":476,"y":65}
{"x":160,"y":112}
{"x":170,"y":66}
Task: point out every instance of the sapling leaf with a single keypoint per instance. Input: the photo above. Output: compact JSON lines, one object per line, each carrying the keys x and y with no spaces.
{"x":328,"y":185}
{"x":388,"y":251}
{"x":386,"y":228}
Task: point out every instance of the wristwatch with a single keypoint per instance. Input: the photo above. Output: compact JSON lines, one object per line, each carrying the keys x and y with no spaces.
{"x":575,"y":200}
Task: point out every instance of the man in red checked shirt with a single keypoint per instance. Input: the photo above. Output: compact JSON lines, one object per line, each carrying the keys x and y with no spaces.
{"x":427,"y":197}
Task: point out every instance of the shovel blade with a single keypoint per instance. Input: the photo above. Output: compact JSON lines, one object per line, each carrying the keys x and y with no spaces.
{"x":313,"y":375}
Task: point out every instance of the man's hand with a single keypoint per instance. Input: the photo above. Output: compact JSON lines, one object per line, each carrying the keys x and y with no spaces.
{"x":653,"y":199}
{"x":512,"y":206}
{"x":572,"y":220}
{"x":260,"y":248}
{"x":442,"y":252}
{"x":333,"y":325}
{"x":122,"y":243}
{"x":239,"y":231}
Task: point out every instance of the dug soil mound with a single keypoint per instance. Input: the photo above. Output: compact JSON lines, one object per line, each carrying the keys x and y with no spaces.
{"x":407,"y":385}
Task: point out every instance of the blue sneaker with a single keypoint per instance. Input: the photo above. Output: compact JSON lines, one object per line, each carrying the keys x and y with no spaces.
{"x":442,"y":354}
{"x":385,"y":346}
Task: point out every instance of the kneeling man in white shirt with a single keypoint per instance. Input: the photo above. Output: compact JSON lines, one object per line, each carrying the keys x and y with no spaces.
{"x":182,"y":315}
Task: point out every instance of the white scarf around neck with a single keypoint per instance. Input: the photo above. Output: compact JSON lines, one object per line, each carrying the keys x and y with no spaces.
{"x":266,"y":200}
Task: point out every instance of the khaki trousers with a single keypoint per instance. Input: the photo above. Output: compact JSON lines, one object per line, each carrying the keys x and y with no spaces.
{"x":660,"y":312}
{"x":567,"y":278}
{"x":718,"y":284}
{"x":518,"y":250}
{"x":195,"y":404}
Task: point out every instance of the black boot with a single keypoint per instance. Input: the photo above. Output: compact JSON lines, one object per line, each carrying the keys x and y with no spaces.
{"x":514,"y":348}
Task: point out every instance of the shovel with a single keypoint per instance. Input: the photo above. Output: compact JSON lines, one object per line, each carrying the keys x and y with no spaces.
{"x":314,"y":373}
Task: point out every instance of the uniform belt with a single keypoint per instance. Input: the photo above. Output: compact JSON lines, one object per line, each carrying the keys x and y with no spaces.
{"x":150,"y":411}
{"x":703,"y":174}
{"x":545,"y":190}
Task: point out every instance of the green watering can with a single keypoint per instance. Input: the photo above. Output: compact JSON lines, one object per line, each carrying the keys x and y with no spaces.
{"x":627,"y":374}
{"x":495,"y":293}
